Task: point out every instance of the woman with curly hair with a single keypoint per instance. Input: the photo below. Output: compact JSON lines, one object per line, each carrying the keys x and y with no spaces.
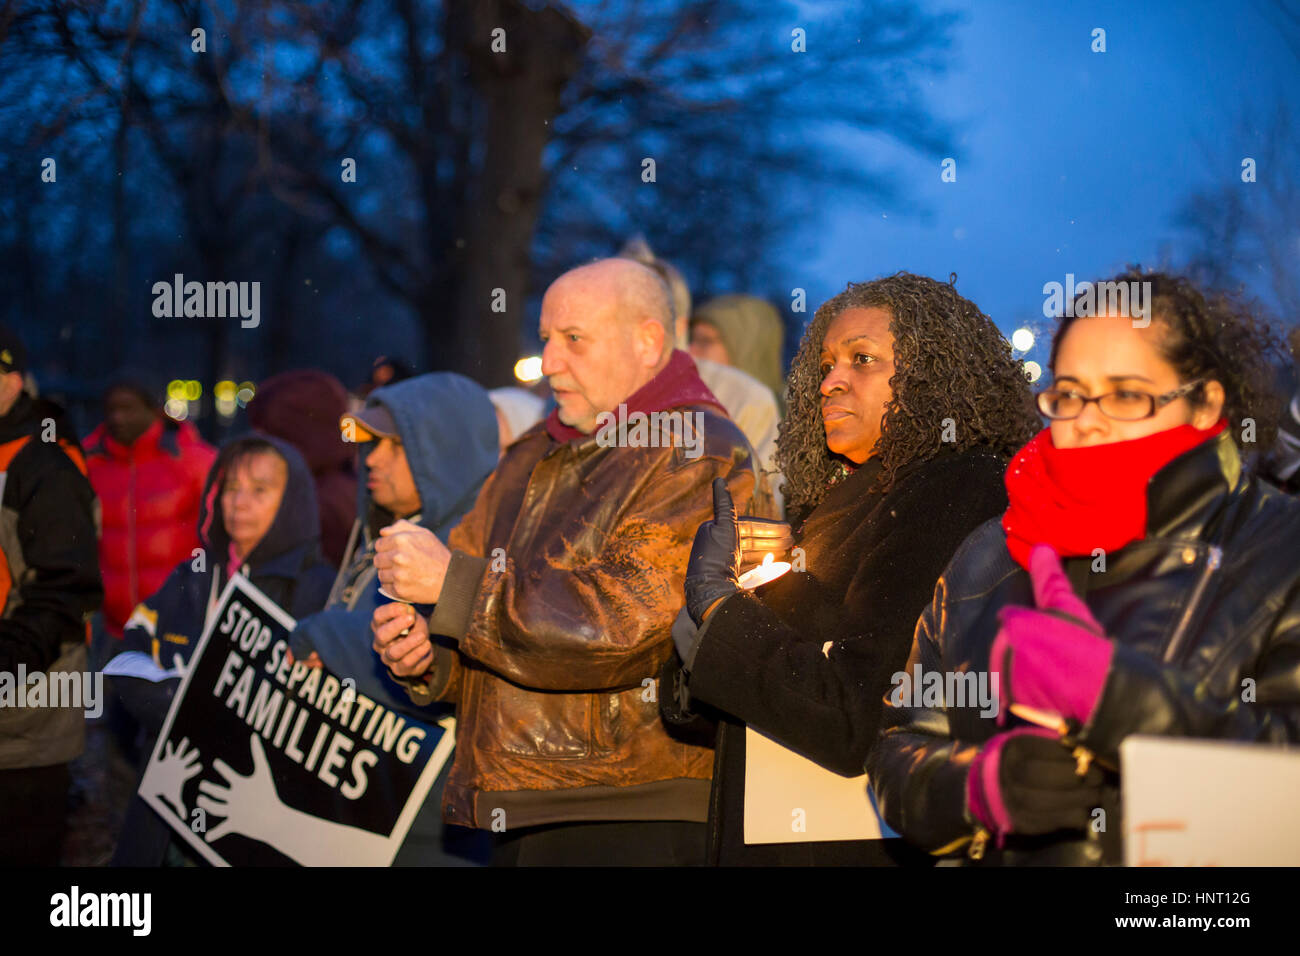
{"x":905,"y":405}
{"x":1139,"y":580}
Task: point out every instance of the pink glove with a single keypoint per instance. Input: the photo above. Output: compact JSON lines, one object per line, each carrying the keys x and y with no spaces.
{"x":1054,"y":659}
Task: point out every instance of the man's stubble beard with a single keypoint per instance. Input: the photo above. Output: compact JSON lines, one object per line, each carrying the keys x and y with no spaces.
{"x":573,"y":420}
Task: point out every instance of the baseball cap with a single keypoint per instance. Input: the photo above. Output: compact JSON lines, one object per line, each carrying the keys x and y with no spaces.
{"x":370,"y":424}
{"x":13,"y":355}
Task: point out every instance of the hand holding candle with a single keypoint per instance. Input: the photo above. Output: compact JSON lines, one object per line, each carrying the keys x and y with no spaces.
{"x":761,"y":537}
{"x":717,"y":553}
{"x":411,"y":562}
{"x":769,"y":570}
{"x":1083,"y":757}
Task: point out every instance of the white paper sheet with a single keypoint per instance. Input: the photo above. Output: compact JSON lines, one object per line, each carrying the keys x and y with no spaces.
{"x":790,"y":799}
{"x":1209,"y":803}
{"x":138,"y":664}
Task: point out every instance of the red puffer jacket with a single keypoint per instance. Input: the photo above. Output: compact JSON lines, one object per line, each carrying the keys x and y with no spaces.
{"x":149,"y":494}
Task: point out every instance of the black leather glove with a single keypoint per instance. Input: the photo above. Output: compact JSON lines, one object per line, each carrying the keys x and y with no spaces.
{"x":714,"y":568}
{"x":1041,"y":788}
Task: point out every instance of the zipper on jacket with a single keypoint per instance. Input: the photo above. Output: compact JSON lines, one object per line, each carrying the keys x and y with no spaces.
{"x":1212,"y":562}
{"x":977,"y":844}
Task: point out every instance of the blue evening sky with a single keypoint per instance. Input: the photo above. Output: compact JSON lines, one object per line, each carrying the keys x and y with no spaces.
{"x":1067,"y":160}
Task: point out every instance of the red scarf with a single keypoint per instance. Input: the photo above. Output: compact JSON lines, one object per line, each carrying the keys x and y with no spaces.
{"x":677,"y":384}
{"x":1081,"y":499}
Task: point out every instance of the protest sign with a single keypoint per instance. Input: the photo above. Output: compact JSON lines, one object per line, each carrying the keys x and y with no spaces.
{"x":1209,"y":803}
{"x":262,"y":762}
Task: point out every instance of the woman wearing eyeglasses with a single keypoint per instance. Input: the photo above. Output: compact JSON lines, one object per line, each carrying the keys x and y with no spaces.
{"x":1140,"y":579}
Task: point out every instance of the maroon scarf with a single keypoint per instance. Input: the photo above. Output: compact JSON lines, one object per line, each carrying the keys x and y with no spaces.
{"x":677,"y":384}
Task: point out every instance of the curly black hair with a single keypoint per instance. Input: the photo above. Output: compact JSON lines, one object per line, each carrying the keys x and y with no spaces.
{"x":950,"y":363}
{"x":1211,"y":334}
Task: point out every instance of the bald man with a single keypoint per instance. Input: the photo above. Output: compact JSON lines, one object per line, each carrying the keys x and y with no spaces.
{"x":555,"y":596}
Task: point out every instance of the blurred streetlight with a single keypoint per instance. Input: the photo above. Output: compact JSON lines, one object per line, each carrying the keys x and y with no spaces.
{"x":529,"y":369}
{"x":224,"y":391}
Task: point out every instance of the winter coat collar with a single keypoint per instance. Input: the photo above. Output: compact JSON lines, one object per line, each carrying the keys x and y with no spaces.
{"x":1186,"y":497}
{"x":163,"y":437}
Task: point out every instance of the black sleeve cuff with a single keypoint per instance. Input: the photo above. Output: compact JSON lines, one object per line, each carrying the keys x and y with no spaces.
{"x":459,"y":589}
{"x":715,"y":667}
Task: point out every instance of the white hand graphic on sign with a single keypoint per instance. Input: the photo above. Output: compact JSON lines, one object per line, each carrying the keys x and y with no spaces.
{"x":252,"y":808}
{"x":249,"y":804}
{"x":166,"y":777}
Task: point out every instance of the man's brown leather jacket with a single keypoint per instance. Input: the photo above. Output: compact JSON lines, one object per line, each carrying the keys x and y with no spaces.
{"x":559,"y":599}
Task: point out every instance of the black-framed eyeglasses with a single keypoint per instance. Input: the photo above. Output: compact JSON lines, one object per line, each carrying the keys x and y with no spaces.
{"x":1126,"y":405}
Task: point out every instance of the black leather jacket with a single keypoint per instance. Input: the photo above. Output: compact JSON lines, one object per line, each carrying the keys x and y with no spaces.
{"x":1210,"y":599}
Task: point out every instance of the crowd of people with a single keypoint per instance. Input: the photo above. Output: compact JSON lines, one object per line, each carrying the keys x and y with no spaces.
{"x":1111,"y":552}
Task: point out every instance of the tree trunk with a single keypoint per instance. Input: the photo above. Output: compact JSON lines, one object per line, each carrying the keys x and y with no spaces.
{"x":518,"y":93}
{"x":121,"y":239}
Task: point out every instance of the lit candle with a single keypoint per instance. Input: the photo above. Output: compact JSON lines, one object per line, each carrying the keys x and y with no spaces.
{"x":769,"y":570}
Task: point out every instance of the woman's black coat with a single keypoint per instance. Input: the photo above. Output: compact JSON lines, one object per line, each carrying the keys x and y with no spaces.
{"x":871,"y":564}
{"x":1208,"y":600}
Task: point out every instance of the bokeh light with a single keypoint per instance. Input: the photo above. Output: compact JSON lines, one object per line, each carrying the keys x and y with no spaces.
{"x":529,"y":369}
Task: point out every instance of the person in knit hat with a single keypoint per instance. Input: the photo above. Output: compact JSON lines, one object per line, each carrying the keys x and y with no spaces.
{"x":303,"y":408}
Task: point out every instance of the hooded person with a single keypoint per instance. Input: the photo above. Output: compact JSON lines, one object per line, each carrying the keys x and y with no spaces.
{"x":428,"y":444}
{"x":303,"y":406}
{"x":750,"y":335}
{"x":257,"y":517}
{"x":1281,"y":465}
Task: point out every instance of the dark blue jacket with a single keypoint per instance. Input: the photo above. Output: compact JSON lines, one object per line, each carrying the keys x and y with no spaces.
{"x":286,"y":564}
